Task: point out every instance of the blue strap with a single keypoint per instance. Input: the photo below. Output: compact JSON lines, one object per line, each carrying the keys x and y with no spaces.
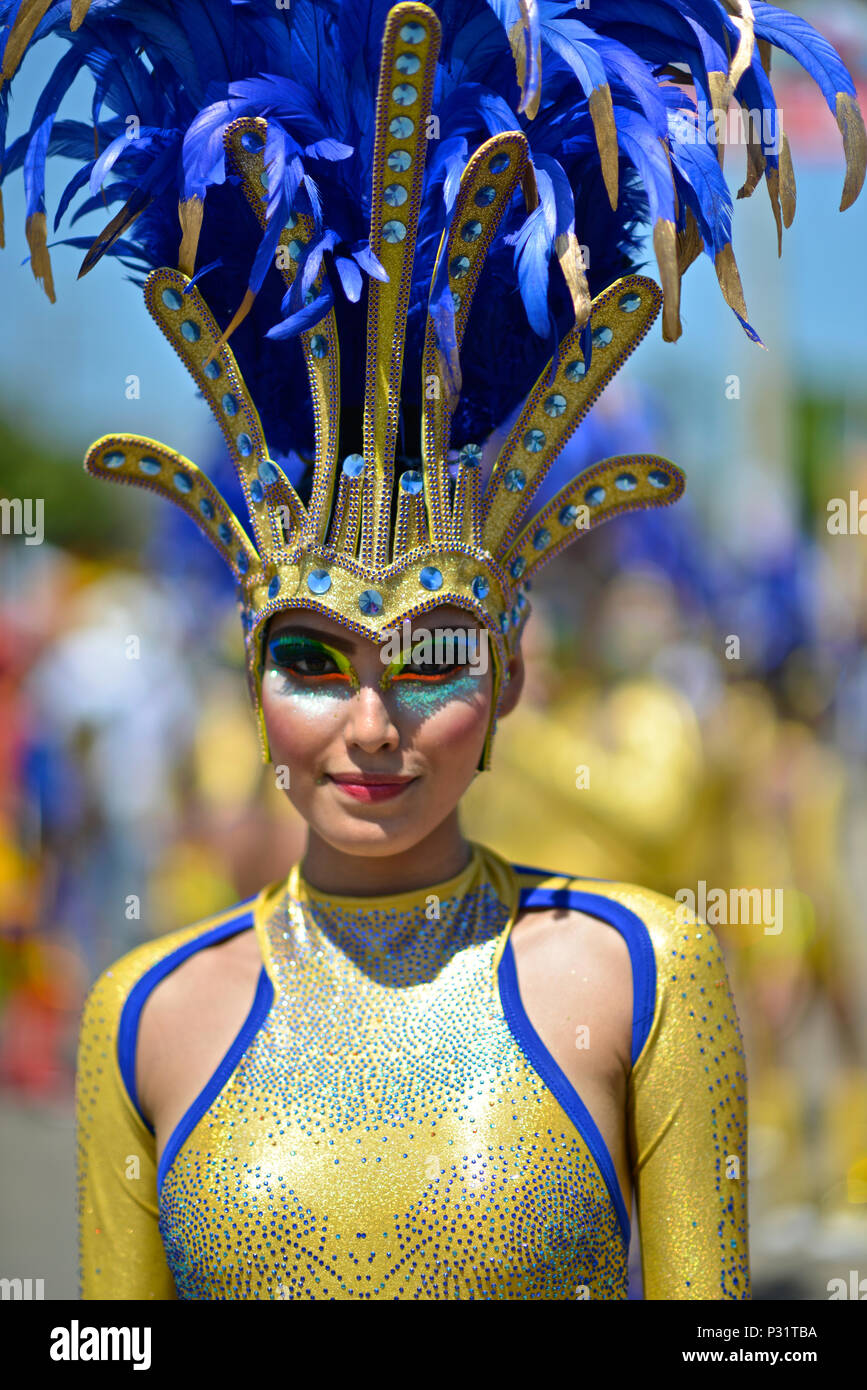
{"x":127,"y":1033}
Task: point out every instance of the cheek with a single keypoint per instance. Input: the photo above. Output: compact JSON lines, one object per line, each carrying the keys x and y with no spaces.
{"x":445,"y":719}
{"x":300,"y":722}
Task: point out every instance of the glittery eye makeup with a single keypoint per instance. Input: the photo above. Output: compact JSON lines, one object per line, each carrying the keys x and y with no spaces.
{"x":310,"y":666}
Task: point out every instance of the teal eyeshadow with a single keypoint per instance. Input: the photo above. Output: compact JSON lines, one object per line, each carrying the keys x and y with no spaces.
{"x":423,"y":698}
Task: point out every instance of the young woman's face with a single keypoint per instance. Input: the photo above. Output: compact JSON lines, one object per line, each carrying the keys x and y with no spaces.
{"x":375,"y":754}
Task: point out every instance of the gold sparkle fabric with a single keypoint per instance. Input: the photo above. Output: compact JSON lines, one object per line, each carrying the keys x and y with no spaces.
{"x":388,"y":1125}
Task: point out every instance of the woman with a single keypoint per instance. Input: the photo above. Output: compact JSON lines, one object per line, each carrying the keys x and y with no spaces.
{"x":410,"y":1069}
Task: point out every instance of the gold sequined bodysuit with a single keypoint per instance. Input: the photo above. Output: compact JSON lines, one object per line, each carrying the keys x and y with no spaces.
{"x":388,"y":1124}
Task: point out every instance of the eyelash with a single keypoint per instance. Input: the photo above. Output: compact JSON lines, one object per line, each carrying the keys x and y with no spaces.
{"x":286,"y":652}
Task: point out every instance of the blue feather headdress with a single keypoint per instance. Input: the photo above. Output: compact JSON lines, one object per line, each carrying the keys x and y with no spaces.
{"x":597,"y":123}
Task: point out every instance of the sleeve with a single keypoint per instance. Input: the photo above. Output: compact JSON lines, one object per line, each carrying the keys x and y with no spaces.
{"x":120,"y":1250}
{"x":687,"y":1116}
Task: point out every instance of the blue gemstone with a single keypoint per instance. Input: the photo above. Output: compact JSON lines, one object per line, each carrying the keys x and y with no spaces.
{"x":412,"y":482}
{"x":393,"y":231}
{"x":245,"y":445}
{"x":626,"y":482}
{"x":456,"y":300}
{"x":291,"y":223}
{"x":504,"y":622}
{"x":567,"y":515}
{"x":404,"y":94}
{"x":149,"y":466}
{"x":257,"y":492}
{"x":213,"y":369}
{"x":319,"y":581}
{"x":370,"y":602}
{"x":542,"y":538}
{"x":224,"y":532}
{"x":594,"y":495}
{"x":267,"y":472}
{"x":485,"y":195}
{"x":516,"y":617}
{"x":113,"y":460}
{"x":395,"y":194}
{"x":459,"y":266}
{"x":481,"y":587}
{"x":522,"y":603}
{"x":206,"y":507}
{"x":515,"y":480}
{"x":294,"y":247}
{"x":319,"y":345}
{"x":629,"y":302}
{"x":534,"y":441}
{"x":575,"y":370}
{"x":230,"y":403}
{"x":602,"y":336}
{"x":353,"y":465}
{"x":274,"y":587}
{"x":555,"y":405}
{"x":657,"y":478}
{"x":407,"y":63}
{"x":401,"y":127}
{"x":191,"y":331}
{"x":471,"y":231}
{"x":471,"y":455}
{"x":499,"y":162}
{"x":263,"y":178}
{"x":252,"y":142}
{"x":183,"y":483}
{"x":517,"y":567}
{"x":242,"y":562}
{"x":412,"y":33}
{"x":430,"y":577}
{"x":399,"y":160}
{"x":172,"y":299}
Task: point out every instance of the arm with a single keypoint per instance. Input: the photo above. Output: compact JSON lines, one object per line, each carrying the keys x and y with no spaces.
{"x":687,"y":1112}
{"x":120,"y":1250}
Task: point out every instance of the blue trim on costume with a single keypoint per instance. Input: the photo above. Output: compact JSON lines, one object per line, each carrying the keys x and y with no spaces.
{"x":638,"y":942}
{"x":643,"y":963}
{"x":127,"y":1033}
{"x":204,"y":1100}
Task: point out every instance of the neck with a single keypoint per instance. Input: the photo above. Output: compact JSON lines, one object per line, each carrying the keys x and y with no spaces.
{"x":439,"y":856}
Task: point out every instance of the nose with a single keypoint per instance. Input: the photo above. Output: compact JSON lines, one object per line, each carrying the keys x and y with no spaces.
{"x":369,"y":725}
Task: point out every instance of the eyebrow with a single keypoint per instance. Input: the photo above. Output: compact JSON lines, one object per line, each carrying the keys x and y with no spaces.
{"x":314,"y":634}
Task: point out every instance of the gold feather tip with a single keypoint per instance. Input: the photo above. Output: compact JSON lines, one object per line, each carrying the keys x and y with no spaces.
{"x":22,"y":31}
{"x":602,"y":116}
{"x":79,"y":13}
{"x":741,"y":12}
{"x":40,"y":260}
{"x":519,"y":37}
{"x":190,"y":212}
{"x":238,"y":317}
{"x":665,"y":249}
{"x":788,"y":187}
{"x":730,"y":280}
{"x":568,"y":253}
{"x":772,"y":179}
{"x":851,"y":124}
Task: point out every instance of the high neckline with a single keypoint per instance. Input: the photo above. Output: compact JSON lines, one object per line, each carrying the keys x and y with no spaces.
{"x":455,"y":886}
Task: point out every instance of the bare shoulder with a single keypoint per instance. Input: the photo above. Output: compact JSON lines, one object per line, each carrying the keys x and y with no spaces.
{"x":192,"y":1015}
{"x":576,"y":968}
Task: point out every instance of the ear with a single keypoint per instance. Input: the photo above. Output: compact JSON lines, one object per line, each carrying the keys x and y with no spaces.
{"x":512,"y":692}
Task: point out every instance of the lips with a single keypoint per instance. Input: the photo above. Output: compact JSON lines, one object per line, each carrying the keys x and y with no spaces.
{"x":370,"y":786}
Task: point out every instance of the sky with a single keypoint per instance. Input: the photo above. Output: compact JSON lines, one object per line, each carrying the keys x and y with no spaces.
{"x":64,"y":367}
